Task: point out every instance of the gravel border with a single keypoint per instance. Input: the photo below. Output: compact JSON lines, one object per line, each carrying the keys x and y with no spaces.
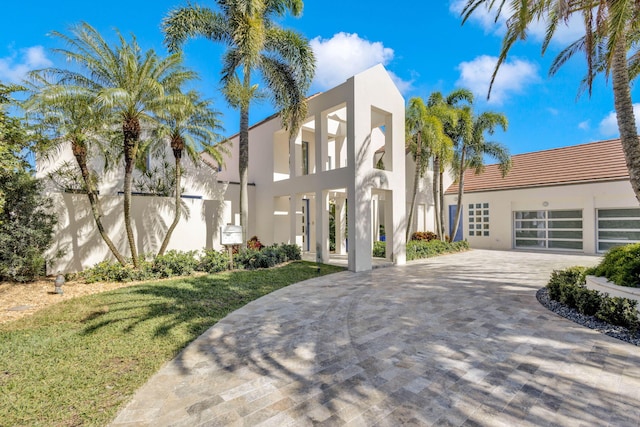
{"x":613,"y":331}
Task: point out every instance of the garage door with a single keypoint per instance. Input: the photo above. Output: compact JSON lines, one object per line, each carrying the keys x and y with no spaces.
{"x":617,"y":227}
{"x":548,"y":229}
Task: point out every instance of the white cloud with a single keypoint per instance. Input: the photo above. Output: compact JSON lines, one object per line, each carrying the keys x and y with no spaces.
{"x":609,"y":125}
{"x":512,"y":77}
{"x":586,"y":125}
{"x":565,"y":33}
{"x":553,"y":111}
{"x":344,"y":55}
{"x":15,"y":67}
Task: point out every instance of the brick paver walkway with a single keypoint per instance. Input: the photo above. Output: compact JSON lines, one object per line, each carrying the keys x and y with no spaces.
{"x":454,"y":340}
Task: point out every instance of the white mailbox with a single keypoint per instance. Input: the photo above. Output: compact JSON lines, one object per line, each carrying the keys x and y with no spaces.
{"x":231,"y":235}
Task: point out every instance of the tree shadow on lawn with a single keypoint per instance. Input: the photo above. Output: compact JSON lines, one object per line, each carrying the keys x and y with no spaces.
{"x":192,"y":305}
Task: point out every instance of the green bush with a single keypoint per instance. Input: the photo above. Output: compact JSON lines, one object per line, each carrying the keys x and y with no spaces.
{"x":26,"y":227}
{"x":417,"y":249}
{"x":175,"y":263}
{"x":379,"y":249}
{"x":213,"y":261}
{"x":291,"y":251}
{"x":619,"y":311}
{"x":621,"y":265}
{"x":112,"y":271}
{"x":569,"y":287}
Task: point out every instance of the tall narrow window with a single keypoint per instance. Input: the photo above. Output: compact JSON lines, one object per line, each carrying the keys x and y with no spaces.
{"x":305,"y":158}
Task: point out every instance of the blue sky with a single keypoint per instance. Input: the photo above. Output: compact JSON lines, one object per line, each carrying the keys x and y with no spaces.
{"x":422,"y":44}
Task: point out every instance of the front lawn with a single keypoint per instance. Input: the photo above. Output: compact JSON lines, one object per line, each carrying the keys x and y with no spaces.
{"x":77,"y":362}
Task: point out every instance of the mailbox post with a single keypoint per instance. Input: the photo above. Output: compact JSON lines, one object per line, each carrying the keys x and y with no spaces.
{"x":230,"y":235}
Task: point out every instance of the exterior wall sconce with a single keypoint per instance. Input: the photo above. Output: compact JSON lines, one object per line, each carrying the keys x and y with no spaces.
{"x":545,"y":204}
{"x":59,"y":282}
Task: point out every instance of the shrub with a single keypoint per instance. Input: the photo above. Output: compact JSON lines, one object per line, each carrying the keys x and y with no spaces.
{"x":621,"y":265}
{"x":379,"y":249}
{"x":112,"y":271}
{"x":26,"y":227}
{"x":175,"y":263}
{"x":619,"y":311}
{"x":568,"y":287}
{"x":417,"y":249}
{"x":424,"y":235}
{"x":291,"y":251}
{"x":213,"y":261}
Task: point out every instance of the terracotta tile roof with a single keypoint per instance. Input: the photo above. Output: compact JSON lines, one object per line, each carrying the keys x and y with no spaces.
{"x":593,"y":162}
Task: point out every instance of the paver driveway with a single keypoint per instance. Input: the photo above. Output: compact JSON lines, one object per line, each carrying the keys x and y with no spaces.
{"x":454,"y":340}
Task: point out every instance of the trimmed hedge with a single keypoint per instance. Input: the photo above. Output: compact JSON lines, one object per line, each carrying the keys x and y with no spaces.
{"x":177,"y":263}
{"x":569,"y":287}
{"x":621,"y":265}
{"x":418,"y":249}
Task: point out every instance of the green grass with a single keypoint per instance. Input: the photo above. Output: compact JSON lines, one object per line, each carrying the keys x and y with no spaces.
{"x":77,"y":362}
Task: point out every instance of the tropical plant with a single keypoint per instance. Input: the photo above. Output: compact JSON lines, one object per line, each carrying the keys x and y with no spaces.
{"x":472,"y":148}
{"x":456,"y":119}
{"x":68,"y":115}
{"x":13,"y":138}
{"x":26,"y":227}
{"x":131,"y":87}
{"x":611,"y":33}
{"x":425,"y":137}
{"x":255,"y":45}
{"x":192,"y":126}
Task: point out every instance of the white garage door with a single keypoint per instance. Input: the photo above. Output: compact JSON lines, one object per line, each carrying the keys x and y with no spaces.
{"x":617,"y":227}
{"x":548,"y":229}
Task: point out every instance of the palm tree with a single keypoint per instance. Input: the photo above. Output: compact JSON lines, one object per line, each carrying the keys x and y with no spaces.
{"x":255,"y":45}
{"x":611,"y":29}
{"x":191,"y":126}
{"x":130,"y":85}
{"x":68,"y":115}
{"x":424,"y":136}
{"x":473,"y":148}
{"x":454,"y":125}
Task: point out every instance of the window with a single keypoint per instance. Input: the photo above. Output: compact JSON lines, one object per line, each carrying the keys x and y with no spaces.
{"x":478,"y":219}
{"x":558,"y":230}
{"x":305,"y":158}
{"x":617,"y":227}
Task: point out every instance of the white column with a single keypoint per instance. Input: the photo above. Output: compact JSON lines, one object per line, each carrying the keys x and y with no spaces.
{"x":293,"y":219}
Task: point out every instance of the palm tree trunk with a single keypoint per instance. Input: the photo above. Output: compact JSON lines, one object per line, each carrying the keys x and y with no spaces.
{"x":624,"y":112}
{"x":243,"y":158}
{"x":436,"y":199}
{"x":80,"y":155}
{"x":416,"y":183}
{"x":176,"y":219}
{"x":131,"y":132}
{"x":461,"y":169}
{"x":441,"y":197}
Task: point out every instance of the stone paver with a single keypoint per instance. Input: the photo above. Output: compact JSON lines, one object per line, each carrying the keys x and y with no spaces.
{"x":454,"y":340}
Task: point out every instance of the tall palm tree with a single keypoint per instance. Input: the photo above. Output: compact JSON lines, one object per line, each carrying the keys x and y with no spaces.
{"x":473,"y":148}
{"x":190,"y":126}
{"x":611,"y":30}
{"x":68,"y":115}
{"x":256,"y":45}
{"x":454,"y":126}
{"x":424,"y":136}
{"x":131,"y":85}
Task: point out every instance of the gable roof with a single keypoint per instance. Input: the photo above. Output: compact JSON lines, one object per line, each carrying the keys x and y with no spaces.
{"x":599,"y":161}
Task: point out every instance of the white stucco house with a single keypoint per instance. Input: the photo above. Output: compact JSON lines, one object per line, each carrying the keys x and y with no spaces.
{"x":348,"y":161}
{"x":575,"y":198}
{"x":344,"y":181}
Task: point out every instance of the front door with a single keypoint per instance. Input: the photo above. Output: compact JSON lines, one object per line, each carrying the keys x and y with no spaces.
{"x":452,"y":217}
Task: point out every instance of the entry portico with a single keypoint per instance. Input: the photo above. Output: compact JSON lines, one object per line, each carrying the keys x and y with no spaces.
{"x":330,"y":168}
